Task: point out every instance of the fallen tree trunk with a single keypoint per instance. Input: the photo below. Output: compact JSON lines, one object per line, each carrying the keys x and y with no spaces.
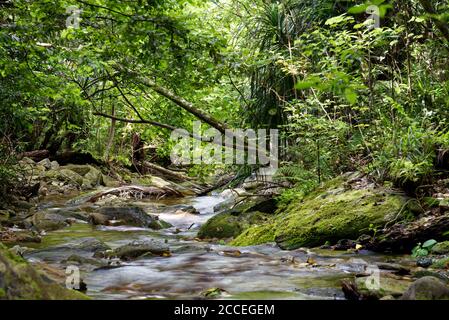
{"x":155,"y":169}
{"x":402,"y":237}
{"x":136,"y":192}
{"x":35,"y":155}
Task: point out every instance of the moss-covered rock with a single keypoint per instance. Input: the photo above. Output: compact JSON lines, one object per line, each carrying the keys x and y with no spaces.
{"x":64,"y":175}
{"x":387,"y":287}
{"x":442,"y":263}
{"x":343,"y":208}
{"x":427,"y":288}
{"x":255,"y":235}
{"x":230,"y":224}
{"x":19,"y":280}
{"x":441,"y":248}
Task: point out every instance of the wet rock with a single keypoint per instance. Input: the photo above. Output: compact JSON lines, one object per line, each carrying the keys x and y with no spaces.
{"x":230,"y":224}
{"x":19,"y":280}
{"x":387,"y":286}
{"x":137,"y":249}
{"x":183,"y":209}
{"x":396,"y":268}
{"x":441,"y":248}
{"x":45,"y":221}
{"x":427,"y":288}
{"x":344,"y":244}
{"x":424,"y":262}
{"x":18,"y":236}
{"x":109,"y":182}
{"x":84,"y":247}
{"x":131,"y":216}
{"x":443,"y":276}
{"x":64,"y":175}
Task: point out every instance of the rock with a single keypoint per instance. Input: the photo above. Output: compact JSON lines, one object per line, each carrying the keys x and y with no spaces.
{"x":387,"y":287}
{"x":230,"y":224}
{"x":107,"y":181}
{"x":396,"y":268}
{"x":5,"y":215}
{"x":46,"y":163}
{"x":427,"y":288}
{"x":19,"y":236}
{"x":344,"y":244}
{"x":28,"y":161}
{"x":426,"y":273}
{"x":343,"y":208}
{"x":64,"y":175}
{"x":45,"y":221}
{"x":131,"y":216}
{"x":265,"y":205}
{"x":19,"y":280}
{"x":137,"y":249}
{"x":183,"y":209}
{"x":442,"y":263}
{"x":440,"y":248}
{"x":424,"y":262}
{"x":54,"y":165}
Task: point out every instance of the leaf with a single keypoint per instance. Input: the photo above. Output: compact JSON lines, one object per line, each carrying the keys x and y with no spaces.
{"x":351,"y":95}
{"x":429,"y":244}
{"x":358,"y":9}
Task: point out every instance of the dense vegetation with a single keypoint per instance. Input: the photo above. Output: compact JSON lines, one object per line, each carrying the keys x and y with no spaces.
{"x":92,"y":90}
{"x":346,"y":96}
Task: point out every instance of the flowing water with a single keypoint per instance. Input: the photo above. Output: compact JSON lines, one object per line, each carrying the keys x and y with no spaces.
{"x":258,"y":272}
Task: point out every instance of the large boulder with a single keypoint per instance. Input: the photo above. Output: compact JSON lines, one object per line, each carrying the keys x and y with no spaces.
{"x":64,"y":175}
{"x":46,"y":221}
{"x":343,"y":208}
{"x":233,"y":222}
{"x":130,"y":216}
{"x":19,"y":280}
{"x":427,"y":288}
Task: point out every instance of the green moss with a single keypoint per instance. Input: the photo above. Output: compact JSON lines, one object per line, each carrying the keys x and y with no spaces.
{"x":330,"y":213}
{"x":255,"y":235}
{"x":441,"y":248}
{"x":441,"y":263}
{"x":21,"y":281}
{"x":230,"y":224}
{"x":223,"y":225}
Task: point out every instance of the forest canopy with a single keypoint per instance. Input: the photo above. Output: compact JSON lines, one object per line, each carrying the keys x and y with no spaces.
{"x":345,"y":94}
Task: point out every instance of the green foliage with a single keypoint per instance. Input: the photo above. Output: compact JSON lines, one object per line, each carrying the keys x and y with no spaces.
{"x":422,"y":250}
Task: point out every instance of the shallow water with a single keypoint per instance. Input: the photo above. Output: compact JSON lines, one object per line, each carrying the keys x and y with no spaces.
{"x":258,"y":272}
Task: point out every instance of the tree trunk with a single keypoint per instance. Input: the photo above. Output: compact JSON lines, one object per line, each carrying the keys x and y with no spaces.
{"x":186,"y":105}
{"x":111,"y":135}
{"x":402,"y":237}
{"x":442,"y":26}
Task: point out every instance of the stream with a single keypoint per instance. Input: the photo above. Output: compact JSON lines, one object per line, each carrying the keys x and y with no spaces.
{"x":257,"y":272}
